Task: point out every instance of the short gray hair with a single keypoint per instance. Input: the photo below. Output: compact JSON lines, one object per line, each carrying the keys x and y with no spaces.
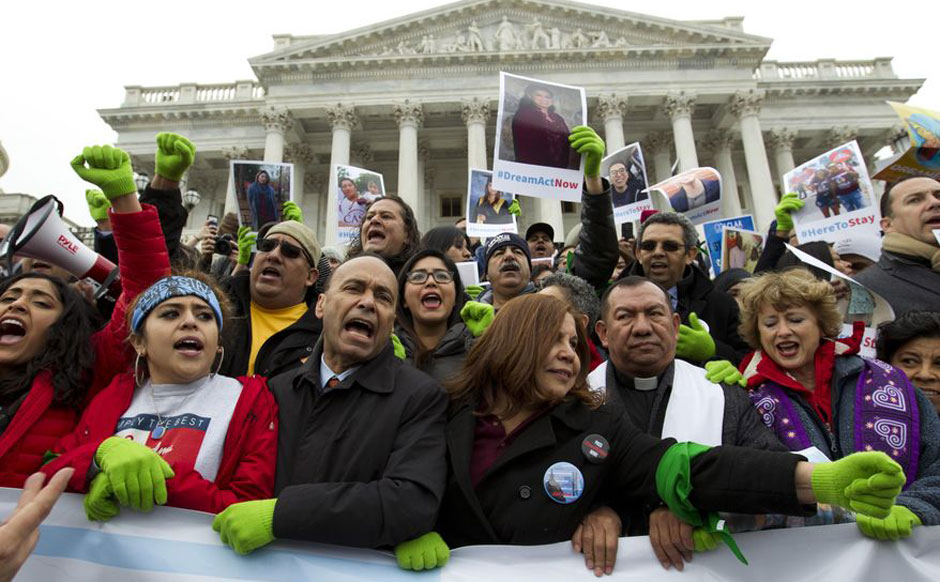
{"x":689,"y":236}
{"x":582,"y":295}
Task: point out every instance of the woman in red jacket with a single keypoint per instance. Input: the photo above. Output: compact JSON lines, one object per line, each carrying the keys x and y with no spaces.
{"x":172,"y":432}
{"x":51,"y":362}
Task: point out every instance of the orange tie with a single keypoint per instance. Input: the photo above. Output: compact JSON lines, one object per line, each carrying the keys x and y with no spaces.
{"x":332,"y":382}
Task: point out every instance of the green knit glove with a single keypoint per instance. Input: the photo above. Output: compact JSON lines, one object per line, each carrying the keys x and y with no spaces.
{"x":695,"y":343}
{"x":424,"y":553}
{"x":246,"y":241}
{"x":473,"y":290}
{"x":397,"y":348}
{"x":138,"y":475}
{"x":704,"y":540}
{"x":98,"y":204}
{"x":290,"y":211}
{"x":107,"y":168}
{"x":585,"y":140}
{"x":477,"y":317}
{"x":246,"y":526}
{"x":100,"y":504}
{"x":789,"y":203}
{"x":514,"y":208}
{"x":175,"y":154}
{"x":867,"y":483}
{"x":899,"y":524}
{"x":724,"y":372}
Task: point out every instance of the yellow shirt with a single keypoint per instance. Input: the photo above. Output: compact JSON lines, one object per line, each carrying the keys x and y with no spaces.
{"x":267,"y":322}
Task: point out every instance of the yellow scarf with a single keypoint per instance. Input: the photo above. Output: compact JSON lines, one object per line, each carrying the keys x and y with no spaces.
{"x":896,"y":242}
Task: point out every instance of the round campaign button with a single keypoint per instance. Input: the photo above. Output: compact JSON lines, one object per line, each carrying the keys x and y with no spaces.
{"x":595,"y":448}
{"x":563,"y":483}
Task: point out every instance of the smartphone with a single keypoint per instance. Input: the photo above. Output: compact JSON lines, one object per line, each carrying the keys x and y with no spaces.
{"x":212,"y":220}
{"x":626,"y":230}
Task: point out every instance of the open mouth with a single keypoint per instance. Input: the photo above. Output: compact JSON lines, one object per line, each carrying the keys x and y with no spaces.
{"x":271,"y":272}
{"x":658,"y":266}
{"x":11,"y":331}
{"x":41,"y":267}
{"x":360,"y":327}
{"x":788,"y":349}
{"x":561,"y":374}
{"x":933,"y":222}
{"x":432,"y":301}
{"x":189,"y":346}
{"x":375,"y":235}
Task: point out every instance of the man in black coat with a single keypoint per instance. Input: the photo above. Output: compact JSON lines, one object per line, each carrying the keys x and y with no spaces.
{"x":361,"y":434}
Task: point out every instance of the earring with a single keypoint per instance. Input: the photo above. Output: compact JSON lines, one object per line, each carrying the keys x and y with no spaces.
{"x":137,"y":379}
{"x":221,"y":359}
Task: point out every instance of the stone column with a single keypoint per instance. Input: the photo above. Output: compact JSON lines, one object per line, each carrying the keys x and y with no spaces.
{"x":720,"y":142}
{"x":549,"y":211}
{"x":842,"y":134}
{"x":409,"y":117}
{"x":361,"y":152}
{"x":475,"y":114}
{"x":659,"y":146}
{"x":276,"y":121}
{"x":232,"y":153}
{"x":745,"y":105}
{"x":679,"y":107}
{"x":781,"y":140}
{"x":421,"y":206}
{"x":431,"y":202}
{"x":300,"y":155}
{"x":342,"y":119}
{"x":611,"y":109}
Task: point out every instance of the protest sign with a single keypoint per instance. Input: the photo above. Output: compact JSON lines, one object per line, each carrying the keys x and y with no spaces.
{"x":740,"y":248}
{"x":355,"y":188}
{"x":626,"y":171}
{"x":487,"y":208}
{"x":261,"y":188}
{"x":838,"y":196}
{"x":532,"y":154}
{"x":922,"y":157}
{"x":469,"y":273}
{"x":695,"y":193}
{"x":713,"y":233}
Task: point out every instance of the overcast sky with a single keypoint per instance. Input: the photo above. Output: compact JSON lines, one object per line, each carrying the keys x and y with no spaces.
{"x":62,"y":61}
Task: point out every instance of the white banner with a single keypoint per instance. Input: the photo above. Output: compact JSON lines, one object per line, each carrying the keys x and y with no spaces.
{"x":176,"y":545}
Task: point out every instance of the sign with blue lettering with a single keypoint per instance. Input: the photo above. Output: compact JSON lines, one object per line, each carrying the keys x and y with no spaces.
{"x":713,"y":230}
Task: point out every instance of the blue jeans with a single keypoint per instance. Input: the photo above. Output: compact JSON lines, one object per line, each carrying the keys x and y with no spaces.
{"x":852,"y":200}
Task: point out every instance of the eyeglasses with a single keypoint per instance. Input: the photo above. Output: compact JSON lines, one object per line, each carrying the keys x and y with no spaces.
{"x":618,"y":172}
{"x":670,"y":246}
{"x":440,"y":276}
{"x":290,"y":251}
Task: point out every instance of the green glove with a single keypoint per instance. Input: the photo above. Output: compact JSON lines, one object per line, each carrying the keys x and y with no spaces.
{"x":246,"y":241}
{"x":473,"y":290}
{"x":424,"y":553}
{"x":695,"y":343}
{"x":98,"y":204}
{"x":290,"y":211}
{"x":704,"y":540}
{"x":100,"y":504}
{"x":138,"y":475}
{"x":477,"y":317}
{"x":585,"y":140}
{"x":789,"y":203}
{"x":514,"y":208}
{"x":724,"y":372}
{"x":398,"y":348}
{"x":866,"y":483}
{"x":246,"y":526}
{"x":108,"y":168}
{"x":899,"y":524}
{"x":174,"y":155}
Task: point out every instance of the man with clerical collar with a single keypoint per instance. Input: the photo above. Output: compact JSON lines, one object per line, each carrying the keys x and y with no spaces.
{"x":360,"y":457}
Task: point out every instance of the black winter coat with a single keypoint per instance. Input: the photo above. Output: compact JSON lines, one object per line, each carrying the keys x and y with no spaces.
{"x":447,"y":359}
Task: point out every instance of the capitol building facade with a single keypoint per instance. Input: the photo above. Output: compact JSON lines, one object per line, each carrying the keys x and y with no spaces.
{"x":415,"y":99}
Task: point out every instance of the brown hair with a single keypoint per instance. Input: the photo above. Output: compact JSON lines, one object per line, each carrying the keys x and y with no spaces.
{"x":791,"y":288}
{"x":501,"y":366}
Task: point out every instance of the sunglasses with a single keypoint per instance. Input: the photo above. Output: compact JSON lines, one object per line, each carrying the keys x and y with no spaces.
{"x":670,"y":246}
{"x":288,"y":250}
{"x":440,"y":276}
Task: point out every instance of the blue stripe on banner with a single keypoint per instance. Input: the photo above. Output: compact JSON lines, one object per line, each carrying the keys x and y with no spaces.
{"x":187,"y":558}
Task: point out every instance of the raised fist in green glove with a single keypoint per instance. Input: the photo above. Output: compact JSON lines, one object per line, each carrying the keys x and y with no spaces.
{"x":246,"y":241}
{"x":585,"y":141}
{"x":397,"y":348}
{"x":695,"y":343}
{"x":98,"y":204}
{"x":290,"y":211}
{"x":246,"y":526}
{"x":424,"y":553}
{"x":138,"y":475}
{"x":107,"y":168}
{"x":867,"y":483}
{"x":473,"y":290}
{"x":704,"y":540}
{"x":899,"y":524}
{"x":174,"y":155}
{"x":100,"y":503}
{"x":514,"y":208}
{"x":724,"y":372}
{"x":789,"y":203}
{"x":477,"y":316}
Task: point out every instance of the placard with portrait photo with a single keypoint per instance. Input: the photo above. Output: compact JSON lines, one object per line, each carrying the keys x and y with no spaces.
{"x":740,"y":248}
{"x":626,"y":171}
{"x":695,"y":193}
{"x":261,"y":189}
{"x":355,"y":189}
{"x":487,"y":209}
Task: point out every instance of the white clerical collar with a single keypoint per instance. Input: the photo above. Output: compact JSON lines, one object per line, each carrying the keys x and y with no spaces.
{"x":646,"y":384}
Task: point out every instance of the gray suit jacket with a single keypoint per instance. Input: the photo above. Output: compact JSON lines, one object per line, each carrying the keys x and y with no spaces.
{"x":904,"y":282}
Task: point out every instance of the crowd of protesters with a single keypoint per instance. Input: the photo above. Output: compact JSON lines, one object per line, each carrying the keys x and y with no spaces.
{"x":368,"y":397}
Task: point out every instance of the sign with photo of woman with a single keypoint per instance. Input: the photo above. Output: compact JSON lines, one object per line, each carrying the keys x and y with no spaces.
{"x":695,"y":193}
{"x":356,"y":188}
{"x":532,"y":154}
{"x":487,"y":208}
{"x":261,"y":189}
{"x":626,"y":172}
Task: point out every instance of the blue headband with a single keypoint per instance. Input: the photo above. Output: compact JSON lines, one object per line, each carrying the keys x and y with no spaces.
{"x":173,"y":286}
